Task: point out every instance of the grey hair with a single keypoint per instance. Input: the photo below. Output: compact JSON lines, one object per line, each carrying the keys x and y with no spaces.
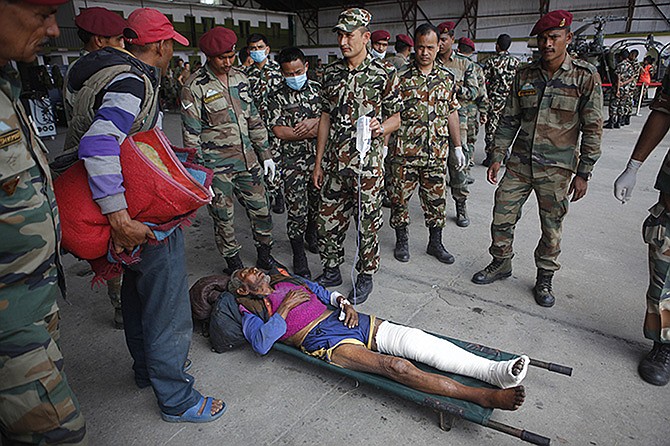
{"x":235,"y":281}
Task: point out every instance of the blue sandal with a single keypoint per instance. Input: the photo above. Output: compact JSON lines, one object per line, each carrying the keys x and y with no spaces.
{"x":191,"y":415}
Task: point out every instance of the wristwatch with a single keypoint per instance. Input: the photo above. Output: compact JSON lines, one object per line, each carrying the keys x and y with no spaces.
{"x":381,"y":130}
{"x":584,"y":176}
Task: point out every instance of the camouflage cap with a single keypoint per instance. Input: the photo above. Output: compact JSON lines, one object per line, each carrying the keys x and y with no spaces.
{"x":351,"y":19}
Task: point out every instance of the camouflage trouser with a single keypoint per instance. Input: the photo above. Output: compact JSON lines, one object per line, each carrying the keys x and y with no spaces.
{"x":492,"y":119}
{"x":249,"y":188}
{"x":617,"y":106}
{"x":629,"y":92}
{"x":302,"y":198}
{"x":550,"y":185}
{"x":37,"y":406}
{"x":472,"y":113}
{"x":432,"y":191}
{"x":656,"y":233}
{"x":458,"y":181}
{"x":340,"y":202}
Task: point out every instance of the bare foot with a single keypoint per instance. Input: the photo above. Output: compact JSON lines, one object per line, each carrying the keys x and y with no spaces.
{"x":507,"y":399}
{"x":217,"y":405}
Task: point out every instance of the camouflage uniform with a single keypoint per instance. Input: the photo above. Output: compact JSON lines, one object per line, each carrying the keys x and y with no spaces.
{"x":618,"y":107}
{"x":36,"y":402}
{"x":656,"y":233}
{"x":499,"y":71}
{"x":371,"y":89}
{"x":288,"y":107}
{"x":549,"y":116}
{"x":261,"y":83}
{"x":398,"y":61}
{"x":467,"y":89}
{"x":421,"y":153}
{"x":223,"y":123}
{"x":631,"y":87}
{"x":473,"y":110}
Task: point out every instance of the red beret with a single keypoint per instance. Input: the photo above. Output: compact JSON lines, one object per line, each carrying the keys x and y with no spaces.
{"x":445,"y":27}
{"x":404,"y":38}
{"x":380,"y":34}
{"x":217,"y":41}
{"x":47,"y":2}
{"x":554,"y":20}
{"x":100,"y":22}
{"x":466,"y":41}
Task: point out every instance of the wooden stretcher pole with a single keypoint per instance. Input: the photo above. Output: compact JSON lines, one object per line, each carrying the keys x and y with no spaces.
{"x":524,"y":435}
{"x":563,"y":370}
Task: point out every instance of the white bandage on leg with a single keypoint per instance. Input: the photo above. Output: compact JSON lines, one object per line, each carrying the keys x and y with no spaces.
{"x":417,"y":345}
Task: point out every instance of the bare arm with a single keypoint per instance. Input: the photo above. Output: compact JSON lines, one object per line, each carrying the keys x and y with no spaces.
{"x":454,"y":125}
{"x":652,"y":133}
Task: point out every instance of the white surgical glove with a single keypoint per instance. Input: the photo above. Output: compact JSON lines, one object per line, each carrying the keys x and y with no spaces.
{"x":623,"y":186}
{"x":460,"y":159}
{"x":270,"y":168}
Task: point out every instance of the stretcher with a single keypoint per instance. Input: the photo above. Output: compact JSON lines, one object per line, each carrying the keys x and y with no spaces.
{"x":447,"y":408}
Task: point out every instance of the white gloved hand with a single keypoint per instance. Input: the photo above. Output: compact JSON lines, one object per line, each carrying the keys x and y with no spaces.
{"x":624,"y":184}
{"x":460,"y":159}
{"x":270,"y":168}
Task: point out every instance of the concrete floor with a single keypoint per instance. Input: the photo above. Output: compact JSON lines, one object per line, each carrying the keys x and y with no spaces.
{"x":595,"y":327}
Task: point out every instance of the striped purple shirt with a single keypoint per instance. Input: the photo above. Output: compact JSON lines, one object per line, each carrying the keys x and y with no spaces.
{"x":100,"y":145}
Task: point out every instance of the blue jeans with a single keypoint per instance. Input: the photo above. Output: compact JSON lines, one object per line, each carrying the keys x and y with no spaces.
{"x":157,"y":323}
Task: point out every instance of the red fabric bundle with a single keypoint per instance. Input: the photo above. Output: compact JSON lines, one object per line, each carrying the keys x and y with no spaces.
{"x":151,"y":194}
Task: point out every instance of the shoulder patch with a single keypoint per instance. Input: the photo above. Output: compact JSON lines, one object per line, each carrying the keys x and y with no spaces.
{"x":584,"y":64}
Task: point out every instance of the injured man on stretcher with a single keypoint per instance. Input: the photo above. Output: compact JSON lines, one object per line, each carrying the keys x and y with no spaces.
{"x":294,"y":311}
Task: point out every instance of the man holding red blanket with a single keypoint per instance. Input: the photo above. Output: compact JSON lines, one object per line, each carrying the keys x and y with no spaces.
{"x":123,"y":86}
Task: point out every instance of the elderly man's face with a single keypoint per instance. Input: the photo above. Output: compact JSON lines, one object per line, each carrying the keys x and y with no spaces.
{"x":25,"y":29}
{"x":253,"y":278}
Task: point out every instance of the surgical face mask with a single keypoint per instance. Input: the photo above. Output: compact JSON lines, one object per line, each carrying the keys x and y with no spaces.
{"x":296,"y":82}
{"x":258,"y":56}
{"x":377,"y":55}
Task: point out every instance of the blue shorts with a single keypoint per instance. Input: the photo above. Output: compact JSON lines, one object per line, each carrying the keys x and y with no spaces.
{"x":331,"y":332}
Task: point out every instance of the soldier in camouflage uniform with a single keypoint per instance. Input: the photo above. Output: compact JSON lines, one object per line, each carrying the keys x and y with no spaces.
{"x":428,"y":117}
{"x":619,"y":92}
{"x":552,"y":103}
{"x":476,"y":110}
{"x":294,"y":110}
{"x":467,"y":89}
{"x":37,"y":405}
{"x":655,"y":366}
{"x":221,"y":121}
{"x":403,"y":48}
{"x":631,"y":86}
{"x":499,"y":71}
{"x":355,"y":86}
{"x":264,"y":77}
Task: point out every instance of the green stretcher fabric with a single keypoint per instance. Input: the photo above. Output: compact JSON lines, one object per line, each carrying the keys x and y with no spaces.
{"x":463,"y":409}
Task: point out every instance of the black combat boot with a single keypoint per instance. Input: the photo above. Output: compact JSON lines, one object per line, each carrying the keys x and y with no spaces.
{"x":496,"y":270}
{"x":234,"y":263}
{"x":300,"y":265}
{"x":655,"y":366}
{"x":361,"y":290}
{"x":626,"y":120}
{"x":311,"y":238}
{"x":542,"y":290}
{"x":278,"y":205}
{"x":401,"y":251}
{"x":487,"y":160}
{"x":330,"y":277}
{"x":436,"y":248}
{"x":265,"y":260}
{"x":612,"y":123}
{"x":462,"y":219}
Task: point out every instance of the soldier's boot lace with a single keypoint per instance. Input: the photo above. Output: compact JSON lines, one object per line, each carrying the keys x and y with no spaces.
{"x":542,"y":291}
{"x":462,"y":219}
{"x":330,"y":277}
{"x":401,"y":250}
{"x":234,"y":263}
{"x":311,"y":238}
{"x":496,"y":270}
{"x":655,"y":366}
{"x":300,"y":264}
{"x":265,"y":260}
{"x":436,"y":248}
